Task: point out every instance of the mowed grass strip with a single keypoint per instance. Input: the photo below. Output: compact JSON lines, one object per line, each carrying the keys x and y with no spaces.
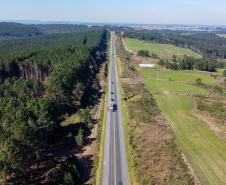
{"x":164,"y":51}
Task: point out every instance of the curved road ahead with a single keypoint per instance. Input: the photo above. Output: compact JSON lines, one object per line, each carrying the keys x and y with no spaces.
{"x":115,"y":164}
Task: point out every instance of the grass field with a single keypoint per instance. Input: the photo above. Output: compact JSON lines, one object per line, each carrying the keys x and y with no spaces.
{"x":180,"y":76}
{"x":164,"y":51}
{"x":165,"y":81}
{"x":163,"y":86}
{"x":205,"y":151}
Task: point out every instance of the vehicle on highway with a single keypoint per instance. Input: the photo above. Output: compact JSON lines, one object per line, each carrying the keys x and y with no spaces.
{"x":113,"y":107}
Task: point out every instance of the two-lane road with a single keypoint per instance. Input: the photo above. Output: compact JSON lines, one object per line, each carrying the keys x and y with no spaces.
{"x":115,"y":164}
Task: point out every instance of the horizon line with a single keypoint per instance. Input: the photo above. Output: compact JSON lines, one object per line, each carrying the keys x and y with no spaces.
{"x":27,"y":21}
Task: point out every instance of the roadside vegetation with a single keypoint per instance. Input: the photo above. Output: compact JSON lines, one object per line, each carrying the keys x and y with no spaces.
{"x":147,"y":133}
{"x":193,"y":102}
{"x":100,"y":140}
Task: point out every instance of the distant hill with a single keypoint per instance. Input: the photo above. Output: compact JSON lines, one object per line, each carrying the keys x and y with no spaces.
{"x":12,"y":29}
{"x":60,"y":28}
{"x":17,"y":30}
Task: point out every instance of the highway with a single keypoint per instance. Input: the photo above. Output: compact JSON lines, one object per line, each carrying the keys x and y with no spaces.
{"x":115,"y":164}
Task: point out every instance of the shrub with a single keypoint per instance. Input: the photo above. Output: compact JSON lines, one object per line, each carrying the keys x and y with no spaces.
{"x":198,"y":81}
{"x":72,"y":173}
{"x":68,"y":178}
{"x":143,"y":53}
{"x":161,"y":62}
{"x":201,"y":105}
{"x":218,"y":89}
{"x":79,"y":139}
{"x":224,"y":73}
{"x":85,"y":117}
{"x":154,"y":55}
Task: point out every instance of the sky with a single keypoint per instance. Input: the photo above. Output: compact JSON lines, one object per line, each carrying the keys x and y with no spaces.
{"x":206,"y":12}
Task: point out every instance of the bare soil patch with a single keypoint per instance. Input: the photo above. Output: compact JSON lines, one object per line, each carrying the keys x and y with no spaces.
{"x":144,"y":60}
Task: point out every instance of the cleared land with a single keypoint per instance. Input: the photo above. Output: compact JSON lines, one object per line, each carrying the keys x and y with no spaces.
{"x":163,"y":51}
{"x":205,"y":151}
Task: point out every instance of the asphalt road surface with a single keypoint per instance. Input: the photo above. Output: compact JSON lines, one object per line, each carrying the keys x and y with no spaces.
{"x":115,"y":165}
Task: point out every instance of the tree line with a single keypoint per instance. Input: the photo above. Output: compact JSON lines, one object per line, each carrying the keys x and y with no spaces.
{"x":190,"y":63}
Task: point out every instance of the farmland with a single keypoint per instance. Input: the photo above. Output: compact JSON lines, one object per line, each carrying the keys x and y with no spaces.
{"x":198,"y":142}
{"x":205,"y":151}
{"x":164,"y":51}
{"x":175,"y":92}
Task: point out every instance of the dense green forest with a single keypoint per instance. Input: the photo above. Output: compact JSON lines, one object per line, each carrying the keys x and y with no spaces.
{"x":18,"y":30}
{"x":43,"y":51}
{"x":207,"y":44}
{"x":42,"y":79}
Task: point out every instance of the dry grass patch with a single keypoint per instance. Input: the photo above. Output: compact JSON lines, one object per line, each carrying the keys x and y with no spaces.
{"x":143,"y":60}
{"x":152,"y":141}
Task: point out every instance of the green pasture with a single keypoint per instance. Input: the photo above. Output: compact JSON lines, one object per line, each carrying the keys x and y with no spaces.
{"x":164,"y":51}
